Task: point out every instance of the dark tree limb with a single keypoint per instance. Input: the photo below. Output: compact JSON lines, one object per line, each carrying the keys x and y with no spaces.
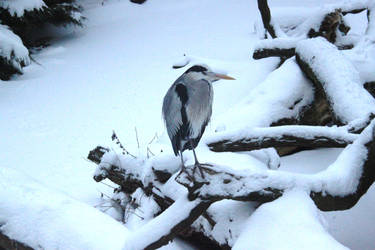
{"x":180,"y":225}
{"x":271,"y":52}
{"x":353,"y":11}
{"x":370,"y":87}
{"x":266,"y":17}
{"x":283,"y":136}
{"x":8,"y":243}
{"x":138,"y":1}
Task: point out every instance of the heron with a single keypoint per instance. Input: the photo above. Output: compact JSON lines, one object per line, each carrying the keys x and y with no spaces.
{"x":187,"y":108}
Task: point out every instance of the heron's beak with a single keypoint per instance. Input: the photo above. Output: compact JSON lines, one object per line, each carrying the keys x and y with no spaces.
{"x":225,"y":77}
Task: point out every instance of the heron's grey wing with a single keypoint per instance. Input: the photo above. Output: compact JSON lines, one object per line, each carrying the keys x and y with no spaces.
{"x":199,"y":106}
{"x":172,"y":115}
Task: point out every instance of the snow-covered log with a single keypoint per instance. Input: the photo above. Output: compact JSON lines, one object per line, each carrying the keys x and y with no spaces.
{"x":334,"y":76}
{"x":283,"y":136}
{"x":135,"y":173}
{"x":339,"y":187}
{"x":166,"y":226}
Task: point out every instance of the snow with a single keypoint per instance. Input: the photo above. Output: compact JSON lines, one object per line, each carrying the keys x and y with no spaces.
{"x":371,"y":17}
{"x":343,"y":225}
{"x":290,"y":222}
{"x":230,"y":217}
{"x":12,"y":48}
{"x":45,"y":218}
{"x":161,"y":225}
{"x":269,"y":156}
{"x":281,"y":43}
{"x":283,"y":94}
{"x":113,"y":74}
{"x":339,"y":78}
{"x":18,"y":7}
{"x":128,"y":163}
{"x":361,"y":59}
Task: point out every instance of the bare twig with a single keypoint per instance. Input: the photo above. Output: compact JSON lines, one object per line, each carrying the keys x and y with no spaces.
{"x":266,"y":17}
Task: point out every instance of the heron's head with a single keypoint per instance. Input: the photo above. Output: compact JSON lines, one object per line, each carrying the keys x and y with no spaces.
{"x":203,"y":72}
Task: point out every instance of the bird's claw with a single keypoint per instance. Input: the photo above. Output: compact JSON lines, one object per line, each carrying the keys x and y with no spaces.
{"x":191,"y":172}
{"x":197,"y":165}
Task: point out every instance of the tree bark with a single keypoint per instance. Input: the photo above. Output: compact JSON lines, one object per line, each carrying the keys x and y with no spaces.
{"x":266,"y":17}
{"x":8,"y":243}
{"x":285,"y":136}
{"x":270,"y":52}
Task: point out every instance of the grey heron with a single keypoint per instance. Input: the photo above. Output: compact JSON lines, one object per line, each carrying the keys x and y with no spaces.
{"x":187,"y":108}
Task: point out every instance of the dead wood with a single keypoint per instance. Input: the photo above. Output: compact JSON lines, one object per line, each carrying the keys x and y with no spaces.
{"x":266,"y":17}
{"x":288,"y":136}
{"x":129,"y":182}
{"x":8,"y":243}
{"x":270,"y":52}
{"x":332,"y":23}
{"x":370,"y":87}
{"x":269,"y":185}
{"x":180,"y":225}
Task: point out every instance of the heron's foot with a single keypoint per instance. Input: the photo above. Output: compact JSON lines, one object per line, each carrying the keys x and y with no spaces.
{"x":198,"y":165}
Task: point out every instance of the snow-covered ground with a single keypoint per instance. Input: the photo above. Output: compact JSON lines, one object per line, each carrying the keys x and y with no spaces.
{"x":112,"y":75}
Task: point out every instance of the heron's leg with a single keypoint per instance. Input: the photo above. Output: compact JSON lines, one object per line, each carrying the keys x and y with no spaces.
{"x":197,"y":164}
{"x":182,"y":161}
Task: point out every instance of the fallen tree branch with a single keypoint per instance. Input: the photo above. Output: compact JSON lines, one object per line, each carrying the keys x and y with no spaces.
{"x":280,"y":47}
{"x":283,"y":136}
{"x":278,"y":52}
{"x":129,"y":182}
{"x":166,"y":226}
{"x":334,"y":77}
{"x":337,"y":188}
